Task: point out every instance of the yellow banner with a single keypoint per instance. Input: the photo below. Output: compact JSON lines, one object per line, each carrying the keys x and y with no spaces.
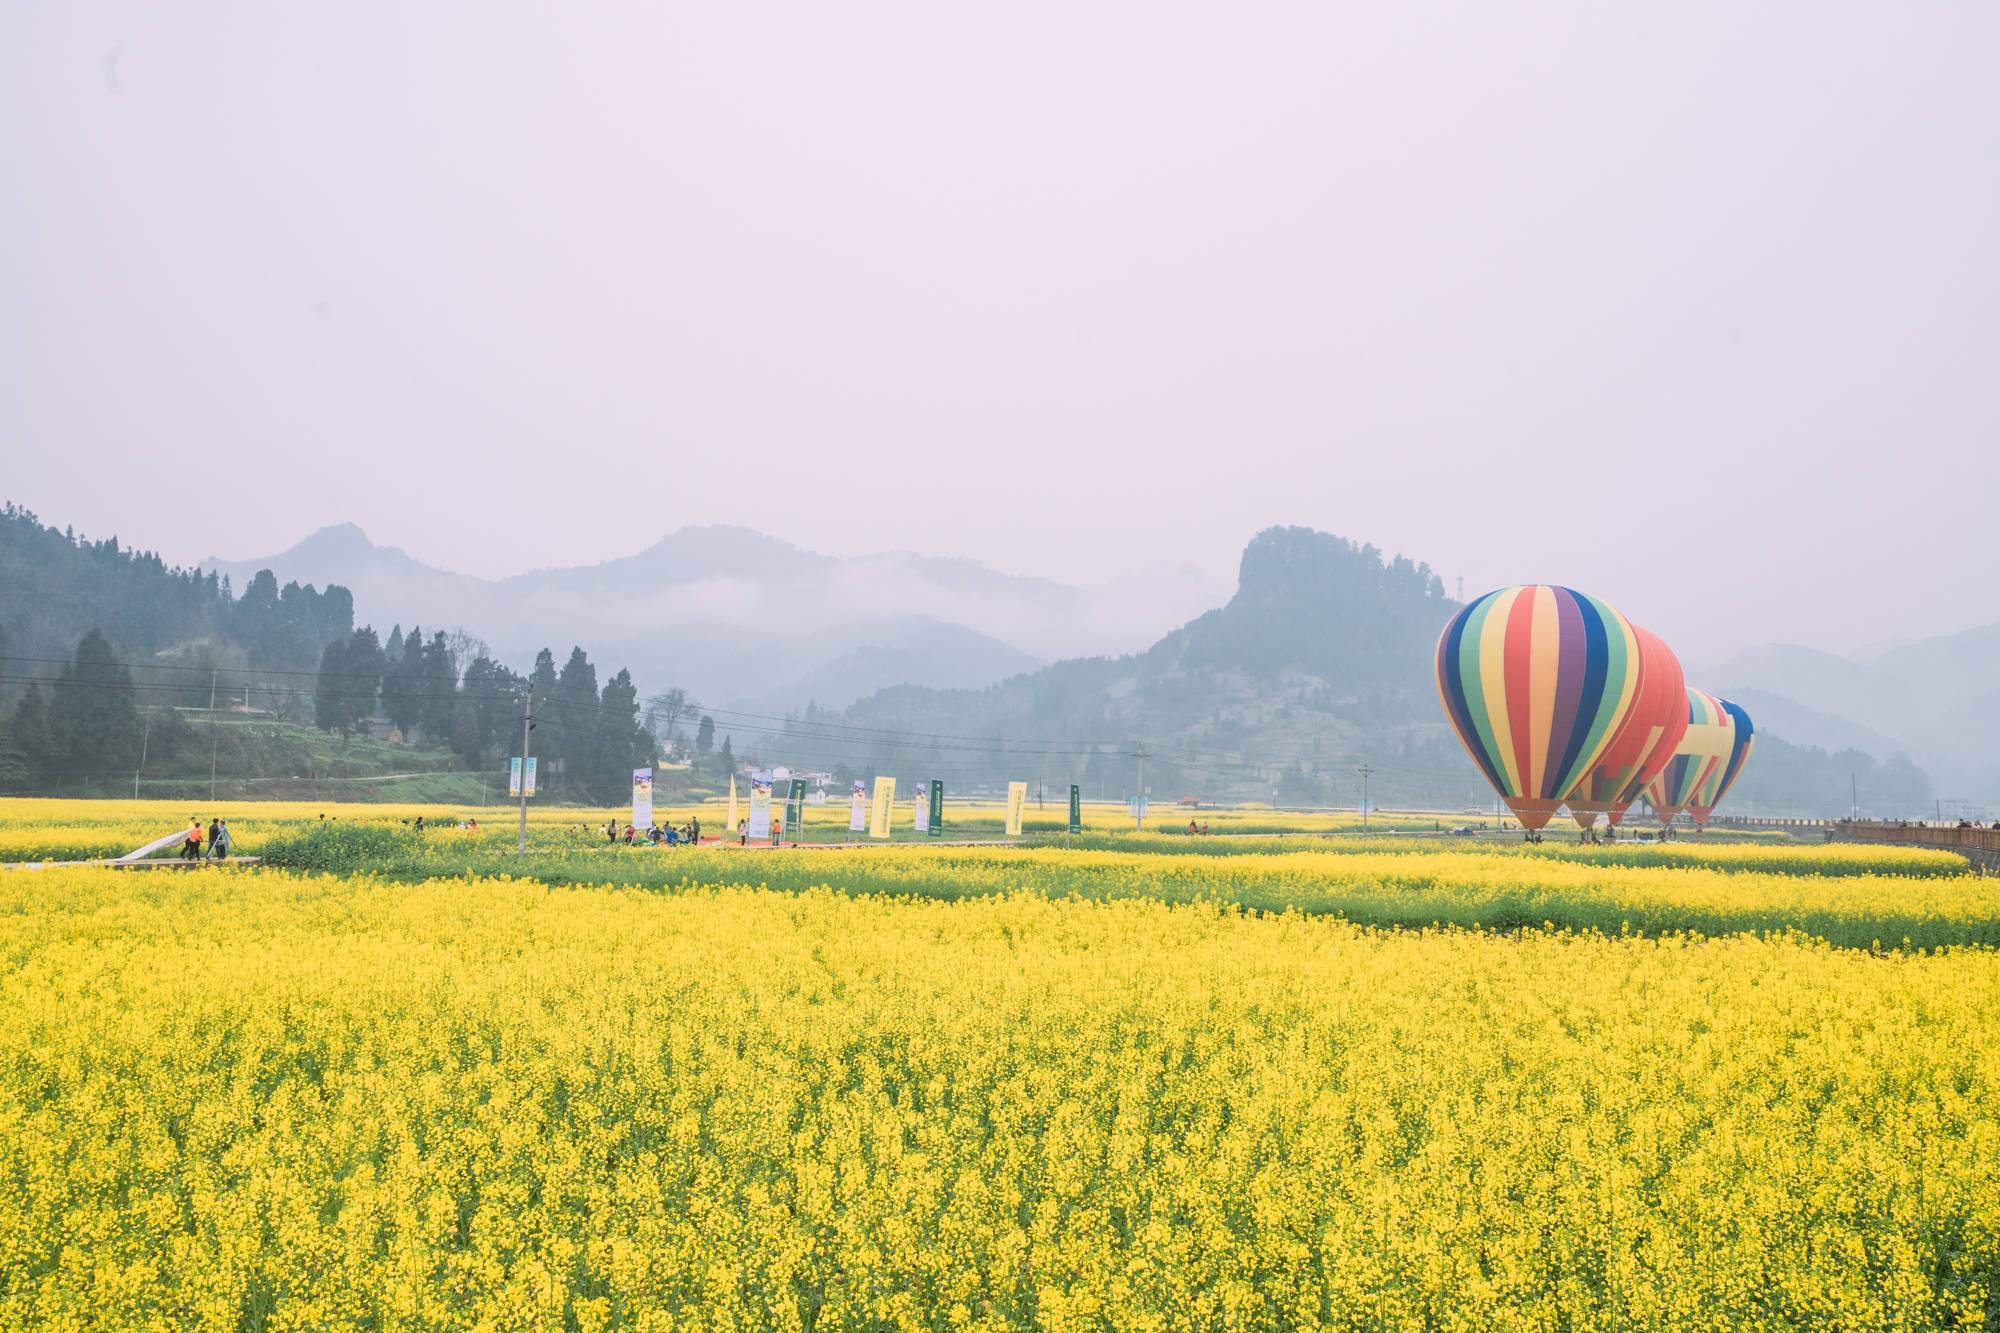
{"x":885,"y":807}
{"x":1017,"y":796}
{"x":729,"y":828}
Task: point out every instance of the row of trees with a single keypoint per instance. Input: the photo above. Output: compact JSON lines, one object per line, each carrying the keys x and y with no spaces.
{"x":55,"y":586}
{"x":587,"y":739}
{"x":85,"y":720}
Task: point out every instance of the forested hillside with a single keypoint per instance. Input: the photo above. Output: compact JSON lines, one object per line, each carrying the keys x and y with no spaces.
{"x":1318,"y":667}
{"x":56,"y":587}
{"x":1320,"y":663}
{"x":116,"y":668}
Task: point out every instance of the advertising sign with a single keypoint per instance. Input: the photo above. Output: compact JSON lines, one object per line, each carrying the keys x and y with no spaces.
{"x":937,"y":807}
{"x":760,"y":804}
{"x":857,"y":816}
{"x":885,"y":807}
{"x":531,"y":777}
{"x":1017,"y":796}
{"x":795,"y":808}
{"x":514,"y":777}
{"x":642,"y":799}
{"x":1075,"y":808}
{"x":920,"y":801}
{"x":730,"y":827}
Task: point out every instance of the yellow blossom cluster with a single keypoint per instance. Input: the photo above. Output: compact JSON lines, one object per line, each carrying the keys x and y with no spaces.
{"x":262,"y":1100}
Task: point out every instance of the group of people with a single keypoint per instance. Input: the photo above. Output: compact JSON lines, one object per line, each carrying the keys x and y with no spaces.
{"x":1195,"y":831}
{"x":216,"y":836}
{"x":684,"y":835}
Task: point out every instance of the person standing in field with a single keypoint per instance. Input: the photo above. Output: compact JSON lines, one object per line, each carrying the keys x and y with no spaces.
{"x":218,"y":839}
{"x":191,"y":848}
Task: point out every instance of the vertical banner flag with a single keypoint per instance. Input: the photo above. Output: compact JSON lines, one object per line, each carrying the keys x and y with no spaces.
{"x":1075,"y":808}
{"x":937,"y":807}
{"x":920,"y":801}
{"x":731,"y":826}
{"x":642,"y":799}
{"x":531,"y":777}
{"x":885,"y":807}
{"x":795,"y":809}
{"x":857,"y":816}
{"x":1017,"y":796}
{"x":513,"y":777}
{"x":760,"y":804}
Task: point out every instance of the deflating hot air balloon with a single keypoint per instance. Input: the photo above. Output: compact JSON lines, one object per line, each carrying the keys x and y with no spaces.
{"x":1536,"y":681}
{"x":1643,"y":743}
{"x":1702,"y":750}
{"x":1716,"y":784}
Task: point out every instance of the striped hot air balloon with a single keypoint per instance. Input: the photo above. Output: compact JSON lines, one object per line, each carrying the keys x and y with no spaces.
{"x":1645,"y":741}
{"x":1536,"y":681}
{"x":1703,"y":750}
{"x":1715,"y":785}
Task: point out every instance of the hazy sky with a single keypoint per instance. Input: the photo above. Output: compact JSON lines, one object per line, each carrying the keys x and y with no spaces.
{"x":1693,"y":306}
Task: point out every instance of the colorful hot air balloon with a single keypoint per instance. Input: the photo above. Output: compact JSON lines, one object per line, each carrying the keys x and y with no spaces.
{"x":1715,"y":785}
{"x":1536,"y":681}
{"x":1644,"y":742}
{"x":1704,"y":748}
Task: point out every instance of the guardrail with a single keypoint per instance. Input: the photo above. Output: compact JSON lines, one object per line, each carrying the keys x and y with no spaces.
{"x":1928,"y":835}
{"x":1746,"y":821}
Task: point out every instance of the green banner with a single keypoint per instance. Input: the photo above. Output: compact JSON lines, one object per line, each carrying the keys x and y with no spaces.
{"x":937,"y":807}
{"x":1075,"y":808}
{"x":795,"y":809}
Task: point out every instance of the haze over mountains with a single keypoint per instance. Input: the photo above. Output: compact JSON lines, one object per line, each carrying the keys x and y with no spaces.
{"x":1938,"y":700}
{"x":1319,"y":662}
{"x":745,"y":620}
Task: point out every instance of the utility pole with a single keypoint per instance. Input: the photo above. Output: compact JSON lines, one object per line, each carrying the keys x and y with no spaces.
{"x":144,"y":736}
{"x":1139,"y":800}
{"x":1364,"y":771}
{"x":212,"y":736}
{"x":527,"y":725}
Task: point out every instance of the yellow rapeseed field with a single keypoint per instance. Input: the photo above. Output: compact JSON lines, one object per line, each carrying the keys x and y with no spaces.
{"x":43,"y":828}
{"x":243,"y":1100}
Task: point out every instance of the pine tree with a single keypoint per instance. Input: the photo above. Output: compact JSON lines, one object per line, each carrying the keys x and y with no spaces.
{"x":575,"y":716}
{"x":94,"y":714}
{"x":438,"y":689}
{"x":622,"y":744}
{"x":30,"y":725}
{"x":548,"y":741}
{"x":330,"y":690}
{"x":402,"y":694}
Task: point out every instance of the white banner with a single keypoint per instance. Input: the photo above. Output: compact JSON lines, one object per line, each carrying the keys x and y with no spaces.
{"x":642,"y":799}
{"x":857,"y":817}
{"x":760,"y":805}
{"x":885,"y":808}
{"x":531,"y":777}
{"x":514,"y":777}
{"x":923,"y":799}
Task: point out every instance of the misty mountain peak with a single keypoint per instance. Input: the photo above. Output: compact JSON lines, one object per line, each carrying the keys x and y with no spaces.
{"x":338,"y":539}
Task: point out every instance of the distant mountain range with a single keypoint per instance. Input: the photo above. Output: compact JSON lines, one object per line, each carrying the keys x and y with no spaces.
{"x":745,"y":620}
{"x":1937,"y":700}
{"x":1317,"y":665}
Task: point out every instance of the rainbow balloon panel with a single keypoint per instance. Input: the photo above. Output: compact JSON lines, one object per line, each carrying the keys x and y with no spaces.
{"x":1702,"y":753}
{"x":1536,"y":681}
{"x":1644,"y":742}
{"x":1716,"y":783}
